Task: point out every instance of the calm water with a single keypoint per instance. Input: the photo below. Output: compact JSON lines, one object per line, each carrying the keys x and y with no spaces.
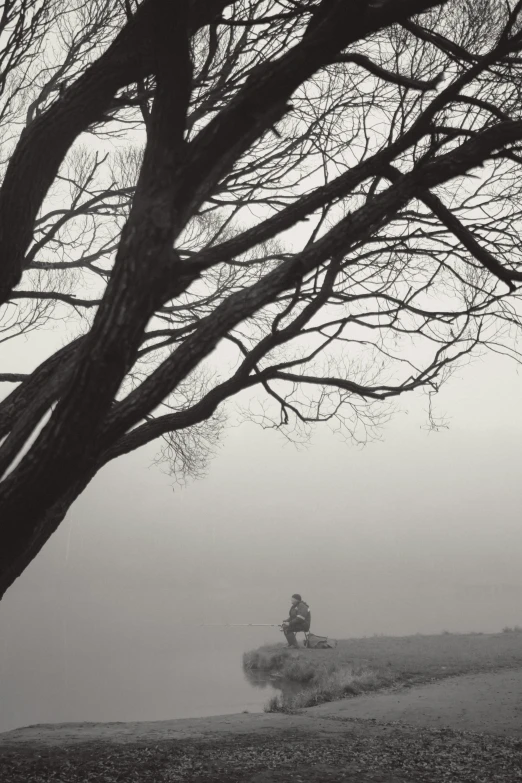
{"x":177,"y":673}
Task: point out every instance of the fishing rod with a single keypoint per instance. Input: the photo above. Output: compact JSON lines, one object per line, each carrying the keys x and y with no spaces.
{"x":239,"y":625}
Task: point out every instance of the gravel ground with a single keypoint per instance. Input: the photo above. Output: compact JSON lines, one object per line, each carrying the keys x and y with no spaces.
{"x":359,"y":752}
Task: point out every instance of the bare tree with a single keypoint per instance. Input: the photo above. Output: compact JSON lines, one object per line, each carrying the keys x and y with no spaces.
{"x":316,"y":200}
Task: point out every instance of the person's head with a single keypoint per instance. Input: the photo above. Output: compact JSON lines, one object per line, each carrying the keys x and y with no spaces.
{"x":296,"y":599}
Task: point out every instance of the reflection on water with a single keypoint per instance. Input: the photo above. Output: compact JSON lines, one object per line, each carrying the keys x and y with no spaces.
{"x":264,"y":680}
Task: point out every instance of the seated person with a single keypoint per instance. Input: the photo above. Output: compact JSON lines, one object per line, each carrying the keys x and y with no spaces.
{"x":298,"y":620}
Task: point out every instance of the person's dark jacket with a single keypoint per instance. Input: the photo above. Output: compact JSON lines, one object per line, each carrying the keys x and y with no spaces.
{"x":300,"y":616}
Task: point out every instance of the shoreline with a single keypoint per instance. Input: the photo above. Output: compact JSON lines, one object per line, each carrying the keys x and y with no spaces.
{"x":211,"y":727}
{"x":463,"y":727}
{"x":379,"y":708}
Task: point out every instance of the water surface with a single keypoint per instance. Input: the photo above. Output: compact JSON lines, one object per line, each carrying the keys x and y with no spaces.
{"x":168,"y":673}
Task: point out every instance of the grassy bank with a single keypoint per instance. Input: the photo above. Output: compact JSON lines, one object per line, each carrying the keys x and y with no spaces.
{"x":355,"y":666}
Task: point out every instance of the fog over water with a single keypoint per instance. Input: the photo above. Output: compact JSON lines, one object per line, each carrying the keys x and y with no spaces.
{"x":420,"y":532}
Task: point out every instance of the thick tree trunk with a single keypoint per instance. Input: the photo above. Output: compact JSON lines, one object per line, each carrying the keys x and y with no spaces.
{"x":65,"y":452}
{"x":16,"y":554}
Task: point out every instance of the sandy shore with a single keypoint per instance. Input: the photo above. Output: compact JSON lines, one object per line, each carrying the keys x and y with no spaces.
{"x":271,"y":724}
{"x":487,"y":702}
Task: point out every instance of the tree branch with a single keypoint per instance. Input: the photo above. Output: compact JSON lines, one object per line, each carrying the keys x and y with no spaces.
{"x":342,"y":185}
{"x":56,"y":296}
{"x":464,"y":235}
{"x":389,"y":76}
{"x":12,"y":377}
{"x":43,"y":144}
{"x":356,"y":227}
